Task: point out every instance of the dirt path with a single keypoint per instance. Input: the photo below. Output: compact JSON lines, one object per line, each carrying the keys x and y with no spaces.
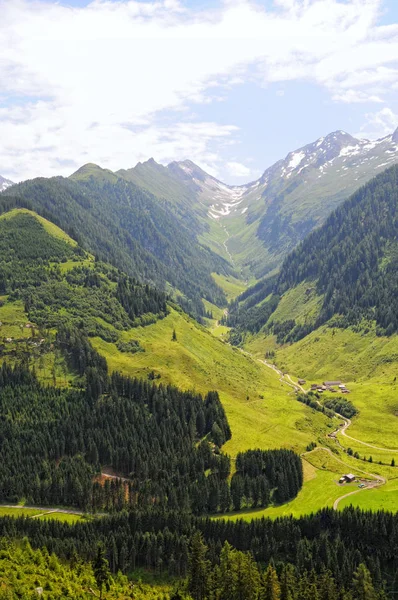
{"x":283,"y":377}
{"x":226,"y":245}
{"x":343,"y":432}
{"x":46,"y":510}
{"x":336,"y":502}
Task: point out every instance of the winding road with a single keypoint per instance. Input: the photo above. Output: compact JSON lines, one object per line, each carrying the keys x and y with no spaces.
{"x":342,"y":428}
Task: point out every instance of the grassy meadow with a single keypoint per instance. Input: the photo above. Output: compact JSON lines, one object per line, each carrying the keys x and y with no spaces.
{"x":261,"y":410}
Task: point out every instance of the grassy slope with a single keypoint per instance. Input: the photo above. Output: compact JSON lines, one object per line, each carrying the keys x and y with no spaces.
{"x":40,"y":514}
{"x":200,"y":361}
{"x":300,"y":303}
{"x":367,"y":364}
{"x":230,"y":285}
{"x":52,"y":229}
{"x":383,"y":498}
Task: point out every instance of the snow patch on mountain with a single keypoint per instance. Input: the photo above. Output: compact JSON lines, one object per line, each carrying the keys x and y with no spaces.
{"x":296,"y":159}
{"x":226,"y":200}
{"x":5,"y":183}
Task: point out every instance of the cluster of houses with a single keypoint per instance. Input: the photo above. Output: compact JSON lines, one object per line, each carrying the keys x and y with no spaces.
{"x":330,"y":386}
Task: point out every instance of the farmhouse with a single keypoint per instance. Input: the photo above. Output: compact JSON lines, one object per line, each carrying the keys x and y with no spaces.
{"x":349,"y":478}
{"x":302,"y":381}
{"x":329,"y":383}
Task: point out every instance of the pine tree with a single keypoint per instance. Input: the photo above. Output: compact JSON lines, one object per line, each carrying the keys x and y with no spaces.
{"x":101,"y":570}
{"x":270,"y":588}
{"x":288,"y":583}
{"x":199,"y":567}
{"x":362,"y":584}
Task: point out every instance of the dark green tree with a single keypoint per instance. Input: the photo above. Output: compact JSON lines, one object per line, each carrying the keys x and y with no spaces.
{"x":199,"y":567}
{"x":101,"y":570}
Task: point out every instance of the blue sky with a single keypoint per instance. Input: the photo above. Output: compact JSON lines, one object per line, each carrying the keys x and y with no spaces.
{"x":232,"y":85}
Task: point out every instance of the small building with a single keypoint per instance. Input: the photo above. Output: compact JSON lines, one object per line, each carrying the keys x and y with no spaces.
{"x":329,"y":383}
{"x":342,"y":386}
{"x":314,"y":386}
{"x":302,"y":381}
{"x":349,"y":478}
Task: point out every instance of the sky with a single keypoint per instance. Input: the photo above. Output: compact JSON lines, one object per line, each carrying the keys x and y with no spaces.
{"x":233,"y":85}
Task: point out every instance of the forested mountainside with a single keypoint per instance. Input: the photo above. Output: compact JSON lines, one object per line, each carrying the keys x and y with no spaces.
{"x":349,"y":264}
{"x":61,"y":285}
{"x":126,"y":226}
{"x":163,"y":183}
{"x":259,"y":223}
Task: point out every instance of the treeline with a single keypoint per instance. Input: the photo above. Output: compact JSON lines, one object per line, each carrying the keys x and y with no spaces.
{"x":234,"y":576}
{"x":328,"y":541}
{"x":328,"y":406}
{"x":237,"y":576}
{"x":53,"y":442}
{"x":261,"y":474}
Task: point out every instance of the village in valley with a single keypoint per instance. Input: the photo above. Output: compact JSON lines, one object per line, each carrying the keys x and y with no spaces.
{"x":327,"y":386}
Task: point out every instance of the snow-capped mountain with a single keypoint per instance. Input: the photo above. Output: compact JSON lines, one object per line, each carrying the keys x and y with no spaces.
{"x":262,"y":221}
{"x":4,"y":183}
{"x":296,"y":194}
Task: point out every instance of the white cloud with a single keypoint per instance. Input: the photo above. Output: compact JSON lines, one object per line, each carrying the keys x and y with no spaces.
{"x":237,"y":169}
{"x":350,"y":96}
{"x":379,"y":124}
{"x":92,"y":83}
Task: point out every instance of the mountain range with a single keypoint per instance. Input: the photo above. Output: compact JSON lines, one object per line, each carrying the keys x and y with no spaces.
{"x":255,"y":225}
{"x":175,"y":225}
